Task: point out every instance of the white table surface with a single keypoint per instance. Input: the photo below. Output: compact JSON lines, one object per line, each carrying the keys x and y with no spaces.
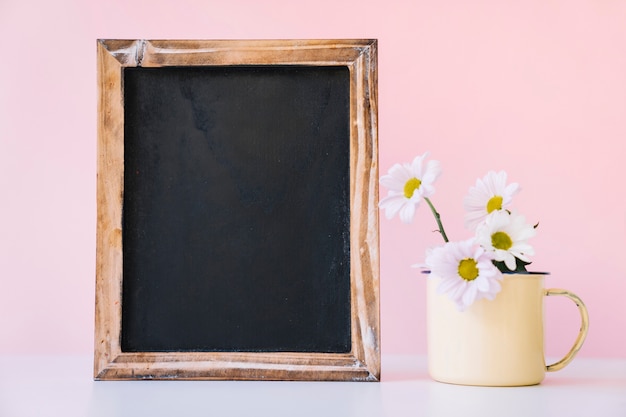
{"x":63,"y":386}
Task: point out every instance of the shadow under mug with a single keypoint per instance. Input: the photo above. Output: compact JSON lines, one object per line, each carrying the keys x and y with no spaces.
{"x":496,"y":342}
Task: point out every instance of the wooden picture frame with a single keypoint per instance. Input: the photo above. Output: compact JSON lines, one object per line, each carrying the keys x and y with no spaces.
{"x":362,"y":360}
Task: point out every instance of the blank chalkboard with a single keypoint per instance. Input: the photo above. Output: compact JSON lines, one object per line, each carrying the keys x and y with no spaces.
{"x":236,"y":209}
{"x":237,"y":193}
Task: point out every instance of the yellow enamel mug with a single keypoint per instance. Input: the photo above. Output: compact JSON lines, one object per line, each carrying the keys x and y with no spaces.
{"x":495,"y":342}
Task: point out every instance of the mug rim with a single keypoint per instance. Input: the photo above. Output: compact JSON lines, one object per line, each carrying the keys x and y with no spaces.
{"x":427,"y":271}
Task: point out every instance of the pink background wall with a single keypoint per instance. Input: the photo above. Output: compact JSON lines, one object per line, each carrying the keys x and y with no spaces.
{"x":537,"y":88}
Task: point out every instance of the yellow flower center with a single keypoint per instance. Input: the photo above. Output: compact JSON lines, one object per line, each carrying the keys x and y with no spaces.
{"x":467,"y":269}
{"x":410,"y":187}
{"x":501,"y":240}
{"x":494,"y":203}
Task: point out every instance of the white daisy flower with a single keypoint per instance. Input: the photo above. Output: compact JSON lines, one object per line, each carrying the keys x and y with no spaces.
{"x":466,"y":271}
{"x":490,"y":194}
{"x":408,"y":184}
{"x":505,"y":235}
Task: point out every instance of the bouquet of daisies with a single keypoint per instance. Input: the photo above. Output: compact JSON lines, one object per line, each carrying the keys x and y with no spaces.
{"x":470,"y":269}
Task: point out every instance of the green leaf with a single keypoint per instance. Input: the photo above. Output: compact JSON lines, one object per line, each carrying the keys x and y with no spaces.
{"x":520,"y":266}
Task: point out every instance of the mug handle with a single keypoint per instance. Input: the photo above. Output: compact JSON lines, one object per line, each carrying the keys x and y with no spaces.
{"x":582,"y":334}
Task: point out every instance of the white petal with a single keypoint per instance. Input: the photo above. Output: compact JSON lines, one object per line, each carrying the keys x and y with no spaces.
{"x":474,"y":219}
{"x":509,"y":261}
{"x":416,"y":166}
{"x":475,"y":201}
{"x":470,"y":295}
{"x":433,"y":170}
{"x":523,"y":247}
{"x":392,"y":183}
{"x":460,"y":289}
{"x":407,"y":212}
{"x":392,"y":204}
{"x":498,"y":220}
{"x":499,"y":182}
{"x":512,"y":189}
{"x":401,"y":173}
{"x":481,"y":283}
{"x":426,"y":190}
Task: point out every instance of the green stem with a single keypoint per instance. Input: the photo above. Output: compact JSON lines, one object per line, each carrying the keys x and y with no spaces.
{"x":438,"y":218}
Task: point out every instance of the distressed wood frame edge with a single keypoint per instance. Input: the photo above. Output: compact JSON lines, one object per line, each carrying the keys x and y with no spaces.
{"x":363,"y":362}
